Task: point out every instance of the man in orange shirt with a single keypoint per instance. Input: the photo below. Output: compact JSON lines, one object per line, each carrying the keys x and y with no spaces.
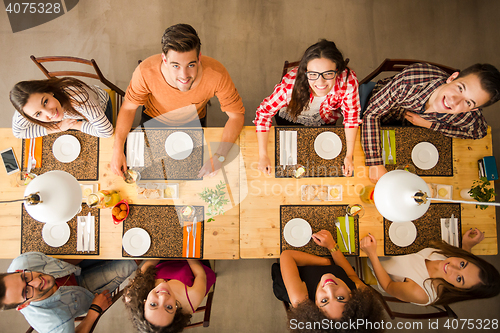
{"x":174,"y":88}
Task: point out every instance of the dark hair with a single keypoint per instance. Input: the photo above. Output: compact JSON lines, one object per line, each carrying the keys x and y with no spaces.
{"x":488,"y":274}
{"x":180,"y":38}
{"x":489,"y":77}
{"x":363,"y":305}
{"x":3,"y":290}
{"x":134,"y":297}
{"x":301,"y":90}
{"x":22,"y":91}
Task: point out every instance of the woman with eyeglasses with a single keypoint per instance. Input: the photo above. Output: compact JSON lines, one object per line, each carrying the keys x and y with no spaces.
{"x":316,"y":93}
{"x":59,"y":104}
{"x":163,"y":296}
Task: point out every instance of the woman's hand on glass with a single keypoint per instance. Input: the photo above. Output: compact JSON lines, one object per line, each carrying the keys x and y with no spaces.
{"x":369,"y":245}
{"x":324,"y":238}
{"x":348,"y":166}
{"x":265,"y":164}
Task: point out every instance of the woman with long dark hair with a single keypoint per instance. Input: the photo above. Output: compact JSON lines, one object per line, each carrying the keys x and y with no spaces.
{"x":319,"y":291}
{"x":56,"y":105}
{"x":441,"y":274}
{"x":316,"y":93}
{"x":162,"y":297}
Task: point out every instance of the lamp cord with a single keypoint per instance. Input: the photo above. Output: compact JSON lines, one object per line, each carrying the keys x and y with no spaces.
{"x":12,"y":201}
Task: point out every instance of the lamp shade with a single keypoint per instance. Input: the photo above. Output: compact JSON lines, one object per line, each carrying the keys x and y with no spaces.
{"x":393,"y":196}
{"x":61,"y":197}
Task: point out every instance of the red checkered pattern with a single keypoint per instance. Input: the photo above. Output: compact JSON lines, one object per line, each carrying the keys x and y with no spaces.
{"x":342,"y":99}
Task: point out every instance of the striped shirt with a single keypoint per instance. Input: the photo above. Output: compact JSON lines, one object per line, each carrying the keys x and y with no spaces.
{"x":343,"y":99}
{"x":409,"y":90}
{"x":93,"y":109}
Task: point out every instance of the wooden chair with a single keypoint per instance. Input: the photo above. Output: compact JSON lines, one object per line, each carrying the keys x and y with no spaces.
{"x":116,"y":93}
{"x":207,"y":308}
{"x":115,"y":296}
{"x":389,"y":65}
{"x":367,"y":277}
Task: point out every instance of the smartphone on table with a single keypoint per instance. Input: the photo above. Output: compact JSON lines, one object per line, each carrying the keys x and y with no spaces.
{"x":9,"y":161}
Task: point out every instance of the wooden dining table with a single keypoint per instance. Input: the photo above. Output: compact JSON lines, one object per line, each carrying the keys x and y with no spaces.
{"x":263,"y":195}
{"x":221,"y":236}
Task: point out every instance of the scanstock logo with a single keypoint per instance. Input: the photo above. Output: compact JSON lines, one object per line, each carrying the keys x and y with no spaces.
{"x":25,"y":15}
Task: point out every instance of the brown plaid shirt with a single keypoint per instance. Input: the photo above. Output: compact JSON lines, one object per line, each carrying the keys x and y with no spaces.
{"x":409,"y":90}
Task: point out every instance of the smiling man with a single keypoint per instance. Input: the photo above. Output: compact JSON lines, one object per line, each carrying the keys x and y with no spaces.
{"x":428,"y":97}
{"x":51,"y":293}
{"x":175,"y":87}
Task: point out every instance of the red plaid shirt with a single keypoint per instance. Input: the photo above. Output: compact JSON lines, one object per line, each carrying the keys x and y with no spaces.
{"x":410,"y":90}
{"x":343,"y":98}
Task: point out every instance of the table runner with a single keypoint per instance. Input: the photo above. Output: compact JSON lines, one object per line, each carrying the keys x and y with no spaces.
{"x":306,"y":155}
{"x":159,"y":166}
{"x":86,"y":165}
{"x":31,"y":235}
{"x":409,"y":137}
{"x":428,"y":229}
{"x":162,"y":224}
{"x":319,"y":217}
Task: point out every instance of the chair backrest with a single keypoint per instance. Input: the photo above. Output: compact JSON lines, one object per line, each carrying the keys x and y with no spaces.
{"x":115,"y":296}
{"x":397,"y":65}
{"x":207,"y":308}
{"x":116,"y":99}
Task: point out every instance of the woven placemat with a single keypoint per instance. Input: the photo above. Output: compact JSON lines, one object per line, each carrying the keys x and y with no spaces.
{"x":319,"y":217}
{"x":409,"y":137}
{"x":306,"y":155}
{"x":84,"y":167}
{"x":159,"y":166}
{"x":161,"y":223}
{"x":32,"y":241}
{"x":428,"y":229}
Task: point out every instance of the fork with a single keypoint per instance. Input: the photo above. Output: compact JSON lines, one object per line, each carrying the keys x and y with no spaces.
{"x":337,"y":224}
{"x":82,"y":226}
{"x":390,"y":159}
{"x":447,"y":226}
{"x":290,"y":158}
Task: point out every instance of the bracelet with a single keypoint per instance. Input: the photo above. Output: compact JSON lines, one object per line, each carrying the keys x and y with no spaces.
{"x":96,"y":308}
{"x":335,"y":249}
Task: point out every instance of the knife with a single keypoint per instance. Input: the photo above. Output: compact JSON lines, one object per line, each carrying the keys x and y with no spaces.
{"x":452,"y":220}
{"x":89,"y":221}
{"x":283,"y":148}
{"x":194,"y":236}
{"x":30,"y":160}
{"x":348,"y":231}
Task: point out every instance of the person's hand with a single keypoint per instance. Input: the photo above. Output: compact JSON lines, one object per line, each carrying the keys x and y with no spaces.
{"x":207,"y":168}
{"x":64,"y":125}
{"x":324,"y":238}
{"x":265,"y":164}
{"x":375,"y":172}
{"x":416,"y":120}
{"x":118,"y":162}
{"x":348,"y":166}
{"x":368,"y":245}
{"x":471,"y":238}
{"x":103,"y":300}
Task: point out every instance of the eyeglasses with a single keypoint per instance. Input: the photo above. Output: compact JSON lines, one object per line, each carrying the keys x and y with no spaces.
{"x":29,"y":291}
{"x":328,"y":75}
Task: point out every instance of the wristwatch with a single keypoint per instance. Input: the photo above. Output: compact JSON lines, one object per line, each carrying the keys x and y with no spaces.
{"x":220,"y":158}
{"x":336,"y":248}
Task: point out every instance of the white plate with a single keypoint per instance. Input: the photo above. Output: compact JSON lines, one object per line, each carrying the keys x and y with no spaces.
{"x":56,"y":235}
{"x":66,"y":148}
{"x":136,"y":242}
{"x":425,"y":155}
{"x":179,"y":145}
{"x":328,"y":145}
{"x":297,"y":232}
{"x":402,"y":233}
